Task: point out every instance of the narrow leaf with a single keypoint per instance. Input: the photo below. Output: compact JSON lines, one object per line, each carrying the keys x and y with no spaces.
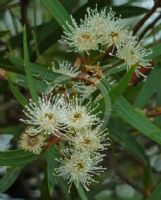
{"x":121,"y":87}
{"x":137,"y":120}
{"x":80,"y":191}
{"x":147,"y":177}
{"x":16,"y":157}
{"x":52,"y":154}
{"x":15,"y":90}
{"x":119,"y":133}
{"x":151,"y":85}
{"x":156,"y":194}
{"x":58,"y":11}
{"x":29,"y":77}
{"x":44,"y":189}
{"x":9,"y":178}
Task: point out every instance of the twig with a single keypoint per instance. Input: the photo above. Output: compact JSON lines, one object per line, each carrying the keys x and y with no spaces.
{"x":8,"y":6}
{"x":146,"y":16}
{"x":123,"y":175}
{"x":129,"y":181}
{"x":150,"y":26}
{"x":23,"y":7}
{"x":7,"y":106}
{"x":106,"y":54}
{"x":153,"y":112}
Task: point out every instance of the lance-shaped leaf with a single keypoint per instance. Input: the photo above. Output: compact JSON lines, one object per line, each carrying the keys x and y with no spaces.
{"x":16,"y":157}
{"x":137,"y":120}
{"x":9,"y":178}
{"x":58,"y":11}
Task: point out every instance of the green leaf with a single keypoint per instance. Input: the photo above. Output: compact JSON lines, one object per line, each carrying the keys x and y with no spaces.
{"x":39,"y":85}
{"x":29,"y":77}
{"x":58,"y":11}
{"x":81,"y":191}
{"x":156,"y":51}
{"x":147,"y":178}
{"x":15,"y":90}
{"x":156,"y":194}
{"x":105,"y":102}
{"x":64,"y":187}
{"x":151,"y":85}
{"x":13,"y":130}
{"x":119,"y":133}
{"x":52,"y":154}
{"x":129,"y":11}
{"x":137,"y":120}
{"x":4,"y":2}
{"x":121,"y":87}
{"x":41,"y":72}
{"x":3,"y":33}
{"x":44,"y":189}
{"x":51,"y":165}
{"x":16,"y":131}
{"x":9,"y":178}
{"x":16,"y":157}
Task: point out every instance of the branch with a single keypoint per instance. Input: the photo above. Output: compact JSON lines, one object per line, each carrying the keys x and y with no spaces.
{"x":23,"y":7}
{"x":150,"y":26}
{"x":124,"y":175}
{"x":129,"y":181}
{"x":146,"y":16}
{"x":153,"y":112}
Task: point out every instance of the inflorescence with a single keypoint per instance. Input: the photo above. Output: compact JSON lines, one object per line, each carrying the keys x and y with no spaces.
{"x":104,"y":32}
{"x":69,"y":117}
{"x":72,"y":121}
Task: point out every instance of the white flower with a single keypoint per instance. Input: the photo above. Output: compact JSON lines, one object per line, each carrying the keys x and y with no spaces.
{"x":45,"y":115}
{"x":134,"y":54}
{"x":98,"y":21}
{"x":66,"y":68}
{"x":116,"y":35}
{"x":89,"y":140}
{"x":108,"y":28}
{"x":32,"y":143}
{"x":80,"y":168}
{"x":79,"y":116}
{"x":79,"y":38}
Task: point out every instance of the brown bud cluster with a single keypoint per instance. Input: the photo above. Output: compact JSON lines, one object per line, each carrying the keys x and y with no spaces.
{"x":91,"y":75}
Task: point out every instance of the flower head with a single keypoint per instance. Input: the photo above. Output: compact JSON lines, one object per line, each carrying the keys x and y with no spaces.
{"x":98,"y":21}
{"x":66,"y":68}
{"x":108,"y":28}
{"x":116,"y":35}
{"x":32,"y":143}
{"x":89,"y":140}
{"x":79,"y":116}
{"x":46,"y":115}
{"x":79,"y":38}
{"x":134,"y":54}
{"x":79,"y":168}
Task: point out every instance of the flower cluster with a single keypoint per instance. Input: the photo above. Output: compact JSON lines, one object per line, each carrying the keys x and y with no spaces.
{"x":80,"y":127}
{"x":83,"y":154}
{"x":103,"y":31}
{"x":69,"y":118}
